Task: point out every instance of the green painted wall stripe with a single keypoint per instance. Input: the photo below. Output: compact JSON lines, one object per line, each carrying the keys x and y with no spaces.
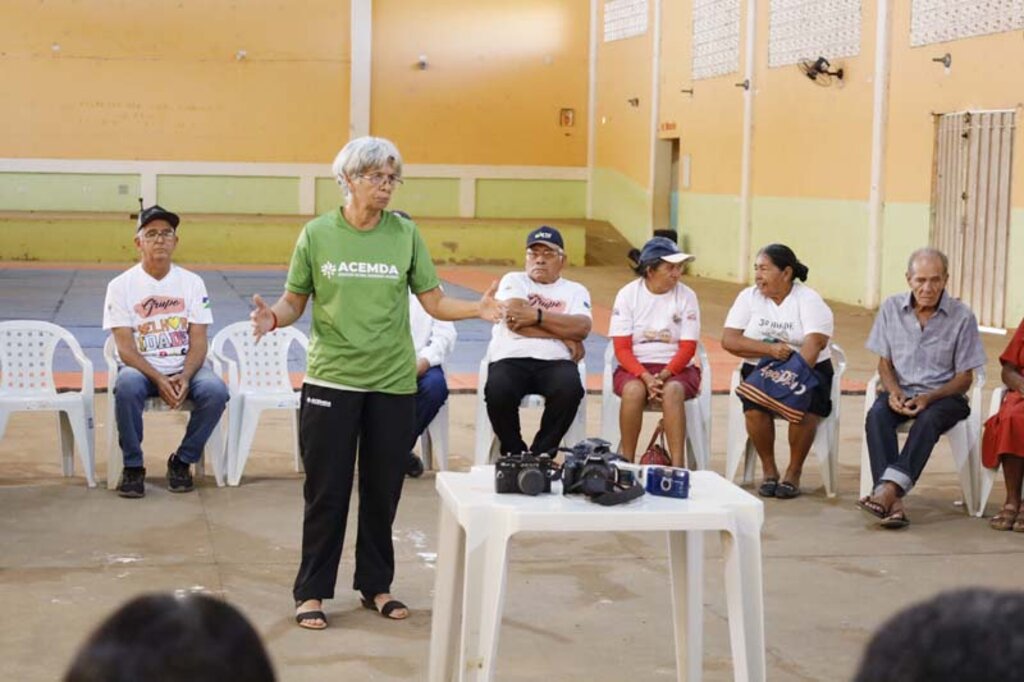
{"x":531,"y":199}
{"x":428,"y":197}
{"x":68,"y":192}
{"x":709,"y":229}
{"x":227,"y":194}
{"x":906,"y":227}
{"x":623,"y":203}
{"x":256,"y":240}
{"x":829,"y":236}
{"x":328,"y":195}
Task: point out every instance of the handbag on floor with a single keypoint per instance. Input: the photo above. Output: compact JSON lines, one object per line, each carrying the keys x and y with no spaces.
{"x":783,"y":386}
{"x":656,"y":453}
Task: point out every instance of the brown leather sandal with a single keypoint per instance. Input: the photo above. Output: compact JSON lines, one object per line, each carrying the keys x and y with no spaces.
{"x":1006,"y":519}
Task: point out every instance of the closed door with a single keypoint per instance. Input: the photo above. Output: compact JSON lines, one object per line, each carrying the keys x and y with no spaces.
{"x":970,"y":216}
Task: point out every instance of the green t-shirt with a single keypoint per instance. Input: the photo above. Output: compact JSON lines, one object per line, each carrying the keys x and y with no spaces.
{"x":360,"y":283}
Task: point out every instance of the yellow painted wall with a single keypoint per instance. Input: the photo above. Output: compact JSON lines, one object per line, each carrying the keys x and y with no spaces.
{"x":813,"y":141}
{"x":985,"y":74}
{"x":708,"y":124}
{"x":498,"y":73}
{"x":622,"y":133}
{"x":159,"y":80}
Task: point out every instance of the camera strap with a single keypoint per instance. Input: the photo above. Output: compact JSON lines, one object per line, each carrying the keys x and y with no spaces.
{"x":620,"y":495}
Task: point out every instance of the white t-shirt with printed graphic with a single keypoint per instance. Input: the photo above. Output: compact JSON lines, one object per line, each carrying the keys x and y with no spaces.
{"x":158,"y":312}
{"x":802,"y":312}
{"x":562,"y":296}
{"x":656,"y":322}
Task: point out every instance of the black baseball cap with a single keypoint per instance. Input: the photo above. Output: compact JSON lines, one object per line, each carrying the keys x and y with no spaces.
{"x":545,"y":235}
{"x":157,"y":212}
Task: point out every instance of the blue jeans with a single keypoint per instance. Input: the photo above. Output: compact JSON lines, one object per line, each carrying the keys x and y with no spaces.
{"x":207,"y":392}
{"x":904,"y":467}
{"x":431,"y":394}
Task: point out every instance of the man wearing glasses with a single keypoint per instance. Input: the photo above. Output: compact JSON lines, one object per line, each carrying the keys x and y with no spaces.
{"x":158,"y":314}
{"x":535,"y":350}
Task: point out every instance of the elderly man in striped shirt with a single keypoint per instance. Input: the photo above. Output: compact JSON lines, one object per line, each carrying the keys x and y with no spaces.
{"x":928,"y":348}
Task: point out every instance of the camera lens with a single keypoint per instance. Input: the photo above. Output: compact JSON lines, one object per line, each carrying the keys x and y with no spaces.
{"x":531,"y":481}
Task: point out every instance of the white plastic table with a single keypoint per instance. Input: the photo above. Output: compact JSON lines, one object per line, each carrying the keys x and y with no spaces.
{"x":476,"y":524}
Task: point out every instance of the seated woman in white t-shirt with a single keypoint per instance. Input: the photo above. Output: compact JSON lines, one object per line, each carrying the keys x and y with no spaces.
{"x":655,"y":326}
{"x":774,"y":318}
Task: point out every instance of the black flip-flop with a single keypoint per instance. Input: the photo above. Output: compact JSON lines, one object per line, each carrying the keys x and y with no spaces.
{"x":306,"y":618}
{"x":787,"y":491}
{"x":769,"y":487}
{"x":866,"y":504}
{"x":895,"y":521}
{"x":387,"y":609}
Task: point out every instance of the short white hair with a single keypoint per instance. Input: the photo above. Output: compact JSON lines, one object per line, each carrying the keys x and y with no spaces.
{"x":362,"y":155}
{"x":926,"y":253}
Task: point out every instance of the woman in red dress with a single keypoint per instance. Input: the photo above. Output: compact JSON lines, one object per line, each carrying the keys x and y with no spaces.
{"x":1003,"y":442}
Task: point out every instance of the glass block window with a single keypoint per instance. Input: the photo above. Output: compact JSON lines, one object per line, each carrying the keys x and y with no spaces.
{"x":807,"y":29}
{"x":936,"y":21}
{"x":624,"y":19}
{"x":716,"y":38}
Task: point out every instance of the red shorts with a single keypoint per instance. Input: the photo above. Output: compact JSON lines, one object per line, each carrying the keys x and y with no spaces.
{"x":689,"y":378}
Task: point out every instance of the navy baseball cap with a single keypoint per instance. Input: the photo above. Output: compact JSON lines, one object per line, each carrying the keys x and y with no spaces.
{"x":545,"y":235}
{"x":663,"y":248}
{"x":157,"y":212}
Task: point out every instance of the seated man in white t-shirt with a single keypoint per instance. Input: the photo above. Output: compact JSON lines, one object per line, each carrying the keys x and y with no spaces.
{"x":537,"y":348}
{"x":433,"y":341}
{"x":158,"y":314}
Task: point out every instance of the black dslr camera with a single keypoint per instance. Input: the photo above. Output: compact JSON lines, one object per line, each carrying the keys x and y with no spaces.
{"x":590,"y":469}
{"x":524,"y":473}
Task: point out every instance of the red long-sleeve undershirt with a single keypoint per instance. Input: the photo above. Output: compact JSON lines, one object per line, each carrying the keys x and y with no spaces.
{"x":627,"y":360}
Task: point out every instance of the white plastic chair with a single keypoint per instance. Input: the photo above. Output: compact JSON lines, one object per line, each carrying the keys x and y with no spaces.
{"x":115,"y":459}
{"x":698,"y":411}
{"x":988,"y":476}
{"x":964,"y":440}
{"x":487,"y":445}
{"x":27,"y":385}
{"x":257,"y":380}
{"x":826,"y":437}
{"x":434,"y":439}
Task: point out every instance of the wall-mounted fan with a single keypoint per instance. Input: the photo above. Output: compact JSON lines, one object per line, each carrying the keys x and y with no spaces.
{"x":819,"y":71}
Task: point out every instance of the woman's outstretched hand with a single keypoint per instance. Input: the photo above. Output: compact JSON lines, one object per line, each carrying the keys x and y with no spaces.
{"x":491,"y":309}
{"x":262,"y":317}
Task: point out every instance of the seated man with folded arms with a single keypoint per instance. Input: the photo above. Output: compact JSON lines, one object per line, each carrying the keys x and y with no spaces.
{"x":158,"y":314}
{"x":537,"y":348}
{"x":433,"y":341}
{"x":928,"y":348}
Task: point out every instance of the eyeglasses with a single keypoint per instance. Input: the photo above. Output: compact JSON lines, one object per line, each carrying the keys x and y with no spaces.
{"x":542,"y":253}
{"x":162,"y":234}
{"x":378,"y":179}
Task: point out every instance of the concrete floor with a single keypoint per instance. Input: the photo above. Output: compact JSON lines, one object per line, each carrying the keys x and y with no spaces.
{"x":586,"y":607}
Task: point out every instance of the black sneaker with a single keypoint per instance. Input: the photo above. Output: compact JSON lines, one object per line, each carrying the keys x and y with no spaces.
{"x":133,"y":482}
{"x":415,"y":467}
{"x":179,"y":475}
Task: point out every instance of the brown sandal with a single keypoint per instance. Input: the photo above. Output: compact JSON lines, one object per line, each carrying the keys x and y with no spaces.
{"x":1006,"y":519}
{"x":1018,"y":525}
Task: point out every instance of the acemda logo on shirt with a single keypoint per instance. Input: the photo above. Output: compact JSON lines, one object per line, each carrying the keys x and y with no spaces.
{"x":359,"y":269}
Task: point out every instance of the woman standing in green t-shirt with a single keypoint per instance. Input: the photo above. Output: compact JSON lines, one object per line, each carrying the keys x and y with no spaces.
{"x":358,"y":263}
